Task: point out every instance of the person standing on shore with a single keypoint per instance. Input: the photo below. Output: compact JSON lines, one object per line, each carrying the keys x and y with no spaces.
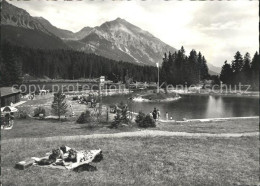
{"x":167,"y":116}
{"x":158,"y":114}
{"x":154,"y":114}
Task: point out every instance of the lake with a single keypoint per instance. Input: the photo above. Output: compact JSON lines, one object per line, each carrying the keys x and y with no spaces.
{"x":196,"y":106}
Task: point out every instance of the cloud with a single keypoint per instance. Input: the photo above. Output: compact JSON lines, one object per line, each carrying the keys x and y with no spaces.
{"x":216,"y":28}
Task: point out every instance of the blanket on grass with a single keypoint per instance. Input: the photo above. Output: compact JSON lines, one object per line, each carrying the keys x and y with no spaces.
{"x":83,"y":157}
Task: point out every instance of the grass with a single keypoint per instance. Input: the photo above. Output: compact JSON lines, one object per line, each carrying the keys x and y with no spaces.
{"x":143,"y":161}
{"x":32,"y":128}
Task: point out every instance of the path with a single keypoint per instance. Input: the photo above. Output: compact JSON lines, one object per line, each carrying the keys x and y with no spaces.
{"x":18,"y":103}
{"x":142,"y":133}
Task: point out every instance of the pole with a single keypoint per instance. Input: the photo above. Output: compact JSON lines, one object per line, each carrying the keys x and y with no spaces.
{"x":158,"y":86}
{"x":100,"y":98}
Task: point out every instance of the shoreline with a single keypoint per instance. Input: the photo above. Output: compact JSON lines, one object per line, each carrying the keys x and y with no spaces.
{"x":221,"y":94}
{"x":209,"y":119}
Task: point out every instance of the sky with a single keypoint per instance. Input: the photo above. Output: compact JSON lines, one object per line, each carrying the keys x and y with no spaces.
{"x":216,"y":28}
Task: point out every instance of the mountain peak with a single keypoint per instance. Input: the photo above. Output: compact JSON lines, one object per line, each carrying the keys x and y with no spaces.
{"x":120,"y":40}
{"x":120,"y":20}
{"x":87,"y":28}
{"x":14,"y":16}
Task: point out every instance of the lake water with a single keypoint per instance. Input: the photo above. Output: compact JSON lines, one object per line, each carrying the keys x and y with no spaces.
{"x":196,"y":107}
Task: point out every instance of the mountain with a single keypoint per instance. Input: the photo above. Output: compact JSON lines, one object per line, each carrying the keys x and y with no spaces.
{"x":121,"y":40}
{"x":82,"y":33}
{"x":20,"y":28}
{"x":213,"y":70}
{"x":61,"y":33}
{"x":14,"y":16}
{"x":30,"y":38}
{"x":117,"y":39}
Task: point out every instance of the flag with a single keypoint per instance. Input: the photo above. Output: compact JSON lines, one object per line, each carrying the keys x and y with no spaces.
{"x":157,"y":65}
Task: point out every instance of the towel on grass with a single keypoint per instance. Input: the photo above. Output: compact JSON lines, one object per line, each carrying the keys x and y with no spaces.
{"x":82,"y":157}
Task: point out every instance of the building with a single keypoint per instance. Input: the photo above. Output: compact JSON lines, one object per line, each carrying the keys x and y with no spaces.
{"x":9,"y":95}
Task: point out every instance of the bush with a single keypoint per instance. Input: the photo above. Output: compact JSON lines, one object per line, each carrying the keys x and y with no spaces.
{"x":148,"y":122}
{"x":121,"y":116}
{"x":145,"y":121}
{"x":75,"y":98}
{"x":84,"y":117}
{"x":140,"y":117}
{"x":38,"y":111}
{"x":117,"y":120}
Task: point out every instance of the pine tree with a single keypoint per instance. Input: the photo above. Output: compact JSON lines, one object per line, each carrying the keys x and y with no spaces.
{"x":204,"y":69}
{"x":255,"y":62}
{"x":199,"y":66}
{"x":192,"y":67}
{"x":246,"y":70}
{"x":237,"y":66}
{"x":226,"y":73}
{"x":59,"y":106}
{"x":124,"y":114}
{"x":237,"y":63}
{"x":255,"y":71}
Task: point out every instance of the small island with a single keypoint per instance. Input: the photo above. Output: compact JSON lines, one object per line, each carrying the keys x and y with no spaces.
{"x":157,"y":97}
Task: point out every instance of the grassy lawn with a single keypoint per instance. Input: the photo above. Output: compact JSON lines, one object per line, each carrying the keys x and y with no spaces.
{"x":229,"y":126}
{"x":32,"y":128}
{"x":45,"y":101}
{"x":143,"y":161}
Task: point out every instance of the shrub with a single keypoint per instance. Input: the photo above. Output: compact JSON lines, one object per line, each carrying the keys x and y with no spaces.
{"x":75,"y":98}
{"x":121,"y":116}
{"x":145,"y":121}
{"x":140,"y":117}
{"x":148,"y":122}
{"x":39,"y":110}
{"x":84,"y":117}
{"x":117,"y":120}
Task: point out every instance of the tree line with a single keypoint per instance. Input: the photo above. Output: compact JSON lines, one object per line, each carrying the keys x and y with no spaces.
{"x":241,"y":70}
{"x":66,"y":64}
{"x":177,"y":68}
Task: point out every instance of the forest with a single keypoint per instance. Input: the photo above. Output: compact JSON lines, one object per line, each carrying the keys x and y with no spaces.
{"x":241,"y":70}
{"x":66,"y":64}
{"x":178,"y":68}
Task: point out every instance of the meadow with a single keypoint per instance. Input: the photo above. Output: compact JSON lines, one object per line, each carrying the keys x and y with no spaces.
{"x":142,"y":161}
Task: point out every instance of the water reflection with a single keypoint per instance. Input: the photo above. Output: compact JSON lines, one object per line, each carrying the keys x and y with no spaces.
{"x":192,"y":107}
